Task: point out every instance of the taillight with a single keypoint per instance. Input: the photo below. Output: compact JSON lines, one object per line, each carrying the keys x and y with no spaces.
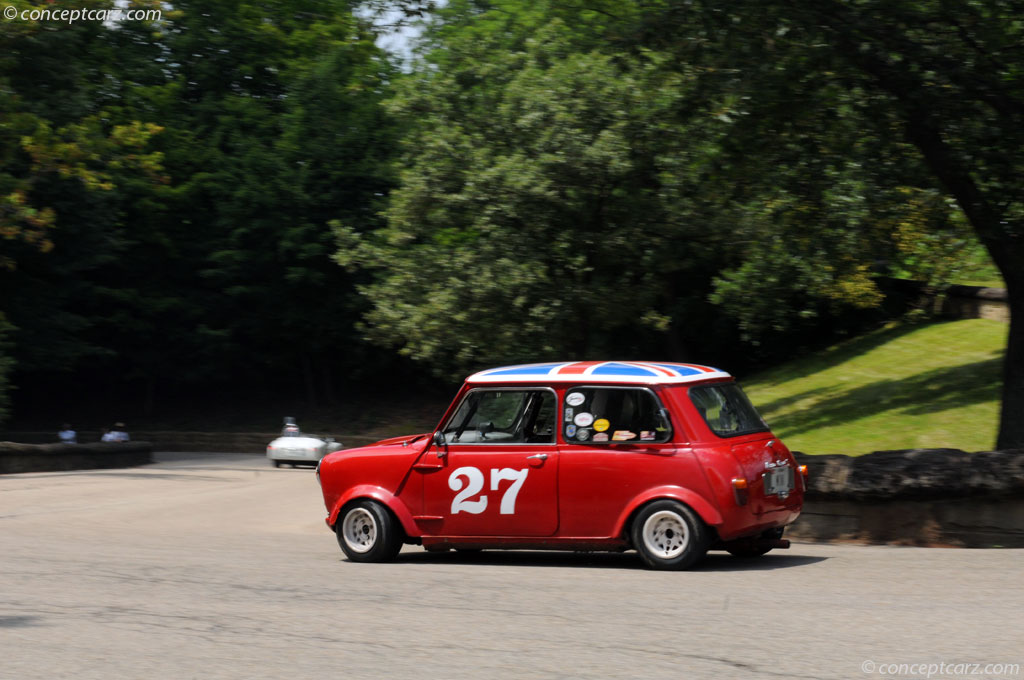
{"x":739,"y":490}
{"x":803,"y":475}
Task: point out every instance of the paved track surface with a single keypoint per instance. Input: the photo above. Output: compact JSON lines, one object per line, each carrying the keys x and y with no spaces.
{"x":204,"y":566}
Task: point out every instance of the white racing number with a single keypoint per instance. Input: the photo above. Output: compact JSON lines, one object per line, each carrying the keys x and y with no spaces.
{"x":475,"y":484}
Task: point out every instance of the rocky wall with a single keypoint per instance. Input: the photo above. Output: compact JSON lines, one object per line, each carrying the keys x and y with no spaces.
{"x":915,"y":497}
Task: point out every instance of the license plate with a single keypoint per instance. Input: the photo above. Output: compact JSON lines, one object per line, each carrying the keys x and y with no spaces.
{"x":778,"y":481}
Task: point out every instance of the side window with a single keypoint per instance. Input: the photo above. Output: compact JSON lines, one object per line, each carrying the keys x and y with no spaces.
{"x":613,"y":414}
{"x":503,"y":416}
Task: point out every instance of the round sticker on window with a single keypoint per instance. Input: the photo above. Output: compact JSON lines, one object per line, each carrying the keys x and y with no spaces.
{"x":584,"y":419}
{"x":570,"y":430}
{"x":574,"y":398}
{"x":583,"y":435}
{"x":601,"y":424}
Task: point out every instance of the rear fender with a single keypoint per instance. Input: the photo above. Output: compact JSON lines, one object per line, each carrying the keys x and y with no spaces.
{"x":697,"y":503}
{"x":383,"y":497}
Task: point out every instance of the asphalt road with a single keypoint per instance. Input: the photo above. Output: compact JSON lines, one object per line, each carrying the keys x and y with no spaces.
{"x":222,"y":567}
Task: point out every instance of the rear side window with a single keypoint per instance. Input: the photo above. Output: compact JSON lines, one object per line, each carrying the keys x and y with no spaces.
{"x":613,"y":414}
{"x":726,"y":410}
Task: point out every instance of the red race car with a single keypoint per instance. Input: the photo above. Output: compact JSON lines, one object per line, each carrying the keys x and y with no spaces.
{"x":668,"y":459}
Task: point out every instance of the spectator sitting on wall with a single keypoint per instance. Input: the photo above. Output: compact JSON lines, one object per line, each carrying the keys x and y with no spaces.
{"x":119,"y":433}
{"x":67,"y":435}
{"x":116,"y":434}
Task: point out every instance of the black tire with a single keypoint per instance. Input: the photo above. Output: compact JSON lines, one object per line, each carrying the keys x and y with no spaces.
{"x":276,"y":463}
{"x":748,"y":553}
{"x":669,"y":535}
{"x":367,"y":532}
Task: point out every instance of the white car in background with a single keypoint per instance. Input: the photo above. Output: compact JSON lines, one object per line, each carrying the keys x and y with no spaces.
{"x":295,"y":448}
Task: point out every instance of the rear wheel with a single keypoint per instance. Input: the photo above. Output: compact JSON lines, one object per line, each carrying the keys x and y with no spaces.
{"x":669,"y":535}
{"x":367,"y":532}
{"x":276,"y":463}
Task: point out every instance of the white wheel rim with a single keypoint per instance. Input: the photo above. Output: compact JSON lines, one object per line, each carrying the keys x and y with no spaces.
{"x":665,"y":535}
{"x":359,"y":530}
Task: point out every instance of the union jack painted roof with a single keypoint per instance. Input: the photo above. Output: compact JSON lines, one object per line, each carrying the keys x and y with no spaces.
{"x":630,"y":372}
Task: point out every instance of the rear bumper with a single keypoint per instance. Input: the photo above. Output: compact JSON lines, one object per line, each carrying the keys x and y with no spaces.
{"x":735,"y":528}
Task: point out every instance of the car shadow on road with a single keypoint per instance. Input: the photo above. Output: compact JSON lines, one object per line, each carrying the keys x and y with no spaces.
{"x":720,"y":561}
{"x":598,"y":560}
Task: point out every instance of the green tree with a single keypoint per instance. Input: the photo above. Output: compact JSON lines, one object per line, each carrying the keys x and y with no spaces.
{"x":61,"y":159}
{"x":180,"y":177}
{"x":280,"y":131}
{"x":546,"y":206}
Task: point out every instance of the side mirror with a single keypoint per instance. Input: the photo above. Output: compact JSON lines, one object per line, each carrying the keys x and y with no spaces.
{"x":441,"y":443}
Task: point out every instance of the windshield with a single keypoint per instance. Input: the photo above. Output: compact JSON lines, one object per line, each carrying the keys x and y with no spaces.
{"x":726,"y":410}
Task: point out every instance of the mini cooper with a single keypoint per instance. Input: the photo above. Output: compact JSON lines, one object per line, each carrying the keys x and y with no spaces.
{"x":667,"y":459}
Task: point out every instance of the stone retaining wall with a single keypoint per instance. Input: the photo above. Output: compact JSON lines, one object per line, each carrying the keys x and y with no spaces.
{"x":915,"y":497}
{"x":19,"y":457}
{"x":954,"y":301}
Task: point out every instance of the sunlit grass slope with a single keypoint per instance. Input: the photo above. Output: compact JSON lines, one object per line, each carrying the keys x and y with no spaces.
{"x":904,"y":386}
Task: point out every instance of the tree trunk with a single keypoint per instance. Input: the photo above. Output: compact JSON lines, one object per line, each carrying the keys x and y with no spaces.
{"x":1011,"y":417}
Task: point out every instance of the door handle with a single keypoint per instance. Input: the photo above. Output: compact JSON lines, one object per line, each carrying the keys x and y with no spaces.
{"x":537,"y":459}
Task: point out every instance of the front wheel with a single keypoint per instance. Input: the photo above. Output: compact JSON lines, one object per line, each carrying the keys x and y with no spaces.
{"x":669,"y":535}
{"x":367,"y":532}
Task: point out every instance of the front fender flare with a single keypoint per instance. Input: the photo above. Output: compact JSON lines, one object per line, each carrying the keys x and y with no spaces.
{"x":382,"y":496}
{"x":708,"y":512}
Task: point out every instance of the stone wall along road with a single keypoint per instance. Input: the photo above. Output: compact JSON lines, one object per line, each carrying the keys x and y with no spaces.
{"x":221,"y":567}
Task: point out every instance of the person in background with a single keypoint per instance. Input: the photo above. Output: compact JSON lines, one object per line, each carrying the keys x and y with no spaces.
{"x":67,"y":435}
{"x":290,"y":429}
{"x":119,"y":433}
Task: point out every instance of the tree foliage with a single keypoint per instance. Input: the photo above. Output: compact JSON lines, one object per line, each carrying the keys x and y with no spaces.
{"x":166,"y":189}
{"x":544,"y":206}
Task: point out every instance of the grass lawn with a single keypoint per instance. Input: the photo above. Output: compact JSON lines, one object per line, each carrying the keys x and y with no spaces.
{"x":905,"y":386}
